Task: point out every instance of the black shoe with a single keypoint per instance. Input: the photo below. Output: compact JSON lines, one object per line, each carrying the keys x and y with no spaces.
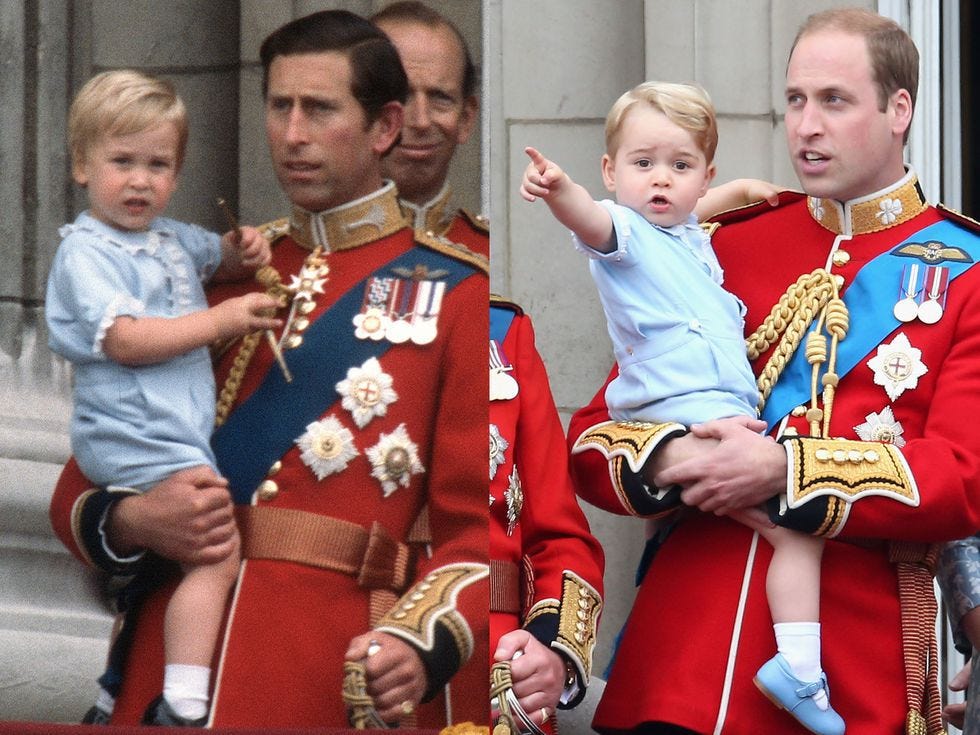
{"x":95,"y":716}
{"x":160,"y":713}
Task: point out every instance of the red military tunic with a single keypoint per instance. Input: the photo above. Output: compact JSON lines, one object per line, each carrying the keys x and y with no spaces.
{"x":394,"y":440}
{"x":546,"y":567}
{"x":700,"y":626}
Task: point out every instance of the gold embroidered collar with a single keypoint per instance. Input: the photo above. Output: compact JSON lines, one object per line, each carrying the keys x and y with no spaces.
{"x":434,"y":216}
{"x":886,"y":208}
{"x":356,"y":223}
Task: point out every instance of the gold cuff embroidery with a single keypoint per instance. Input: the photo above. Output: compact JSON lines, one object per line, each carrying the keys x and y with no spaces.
{"x":433,"y":600}
{"x":578,"y":621}
{"x":847,"y":470}
{"x":635,"y":441}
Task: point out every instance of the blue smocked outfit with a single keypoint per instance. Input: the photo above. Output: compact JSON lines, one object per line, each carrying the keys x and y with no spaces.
{"x":676,"y":333}
{"x":133,"y":426}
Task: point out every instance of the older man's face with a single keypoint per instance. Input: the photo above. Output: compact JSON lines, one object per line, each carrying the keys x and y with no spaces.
{"x":437,"y":116}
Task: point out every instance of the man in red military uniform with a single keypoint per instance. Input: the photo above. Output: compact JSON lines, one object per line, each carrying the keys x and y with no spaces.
{"x":545,"y":565}
{"x":440,"y":115}
{"x":330,"y":467}
{"x":876,"y":452}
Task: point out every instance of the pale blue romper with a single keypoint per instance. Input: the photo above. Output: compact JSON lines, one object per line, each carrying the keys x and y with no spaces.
{"x":133,"y":426}
{"x":677,"y":334}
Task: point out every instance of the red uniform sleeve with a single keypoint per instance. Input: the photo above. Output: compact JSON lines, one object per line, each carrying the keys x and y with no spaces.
{"x":558,"y":549}
{"x":454,"y":627}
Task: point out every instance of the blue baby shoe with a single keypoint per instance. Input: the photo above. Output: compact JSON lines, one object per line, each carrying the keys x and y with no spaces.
{"x":776,"y":680}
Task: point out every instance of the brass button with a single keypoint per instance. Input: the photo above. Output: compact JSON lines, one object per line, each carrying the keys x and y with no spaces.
{"x":268,"y":490}
{"x":274,"y":470}
{"x":842,"y":257}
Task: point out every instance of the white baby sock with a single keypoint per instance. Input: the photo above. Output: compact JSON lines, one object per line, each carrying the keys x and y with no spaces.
{"x":799,"y":643}
{"x":185,"y":688}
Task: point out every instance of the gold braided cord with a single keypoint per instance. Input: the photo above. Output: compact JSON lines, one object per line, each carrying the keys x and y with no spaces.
{"x":813,"y":296}
{"x":269,"y":278}
{"x":500,"y":682}
{"x":360,"y":707}
{"x":233,"y":383}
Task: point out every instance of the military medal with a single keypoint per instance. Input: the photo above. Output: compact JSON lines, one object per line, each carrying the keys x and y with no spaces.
{"x":498,"y":446}
{"x":326,"y":447}
{"x":897,"y":366}
{"x":428,"y":302}
{"x":366,"y":391}
{"x":400,"y":328}
{"x":514,"y":495}
{"x":394,"y":459}
{"x":936,"y":282}
{"x":907,"y":307}
{"x":881,"y":427}
{"x":372,"y":321}
{"x":503,"y":387}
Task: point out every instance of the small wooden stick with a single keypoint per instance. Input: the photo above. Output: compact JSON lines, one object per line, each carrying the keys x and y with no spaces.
{"x":273,"y":344}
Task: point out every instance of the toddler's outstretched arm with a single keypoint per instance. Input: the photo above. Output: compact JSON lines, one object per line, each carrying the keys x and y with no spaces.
{"x":571,"y":204}
{"x":148,"y":340}
{"x":736,"y":193}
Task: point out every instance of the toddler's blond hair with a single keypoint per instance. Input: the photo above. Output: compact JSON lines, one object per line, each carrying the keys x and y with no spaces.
{"x":686,"y":105}
{"x":123,"y":102}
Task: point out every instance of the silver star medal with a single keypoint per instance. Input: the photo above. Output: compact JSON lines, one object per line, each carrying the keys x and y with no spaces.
{"x":514,"y":495}
{"x":394,"y":459}
{"x":897,"y":366}
{"x":498,"y":445}
{"x":366,"y":391}
{"x":881,"y":427}
{"x":503,"y":387}
{"x":327,"y":447}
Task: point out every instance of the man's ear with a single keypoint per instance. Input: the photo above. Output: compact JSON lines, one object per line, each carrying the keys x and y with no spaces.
{"x":387,"y":126}
{"x":467,"y":118}
{"x":608,"y":173}
{"x":900,"y":106}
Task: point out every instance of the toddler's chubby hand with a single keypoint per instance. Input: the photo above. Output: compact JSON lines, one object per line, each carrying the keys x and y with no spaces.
{"x":254,"y":249}
{"x":542,"y":178}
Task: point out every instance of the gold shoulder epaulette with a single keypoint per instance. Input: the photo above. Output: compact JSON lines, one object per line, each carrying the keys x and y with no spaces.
{"x":479,"y":221}
{"x":505,"y":303}
{"x":959,"y":218}
{"x":274,"y":230}
{"x":453,"y":249}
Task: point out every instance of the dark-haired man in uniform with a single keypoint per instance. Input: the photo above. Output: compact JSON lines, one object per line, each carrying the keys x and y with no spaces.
{"x":876,"y":448}
{"x":382,"y":423}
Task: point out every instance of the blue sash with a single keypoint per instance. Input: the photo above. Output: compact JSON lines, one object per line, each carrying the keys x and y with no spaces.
{"x":500,"y":321}
{"x":265,"y":426}
{"x":871,"y":315}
